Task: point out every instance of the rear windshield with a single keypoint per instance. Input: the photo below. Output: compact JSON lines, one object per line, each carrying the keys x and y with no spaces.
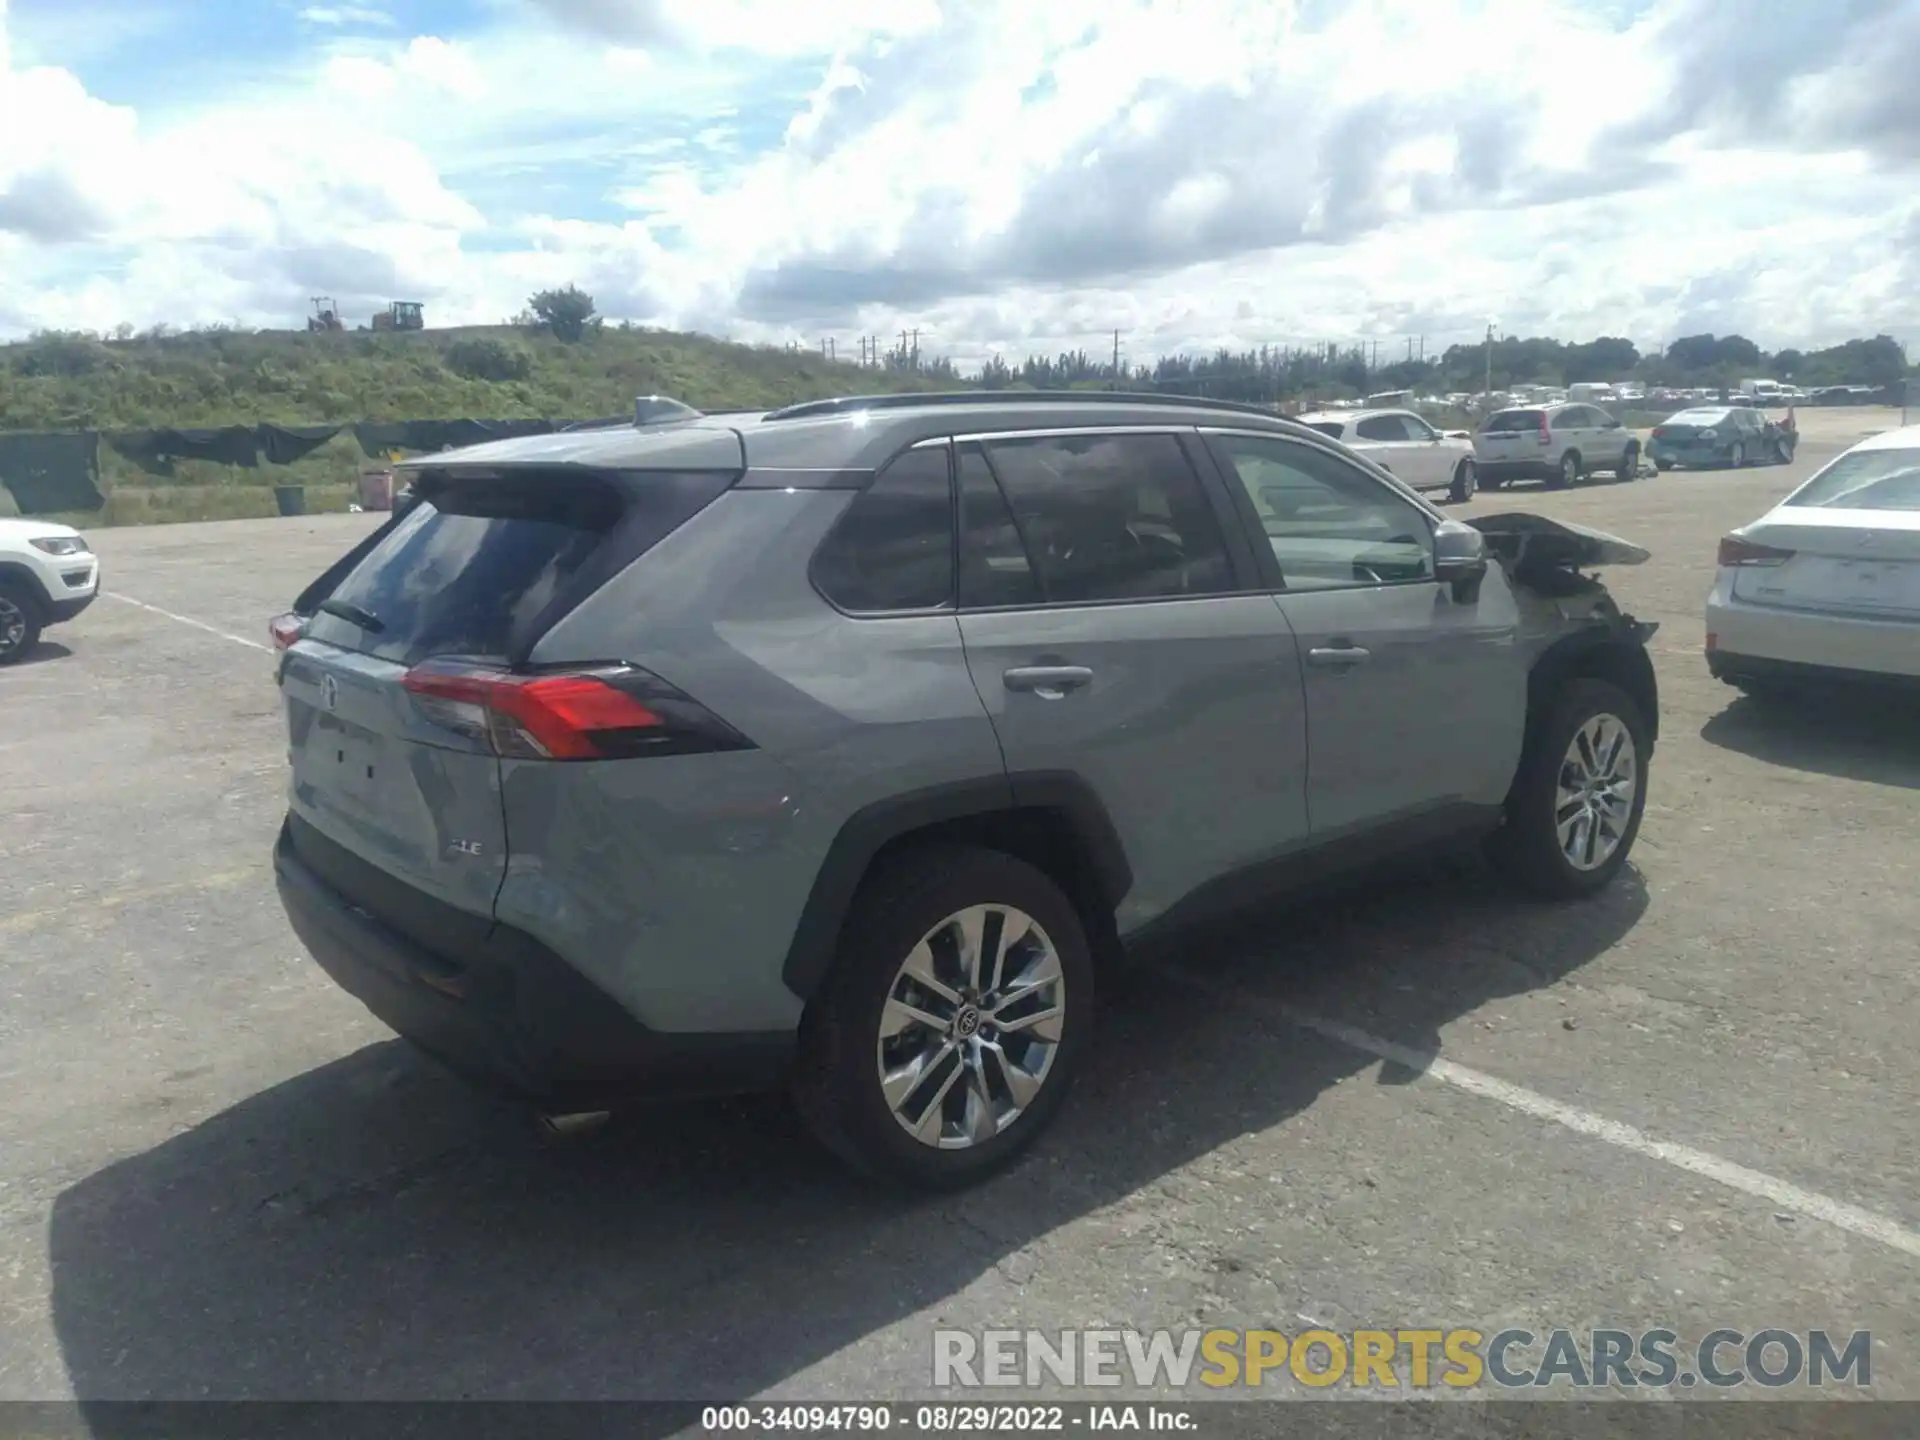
{"x":1696,"y":417}
{"x":468,"y":568}
{"x":1865,"y":480}
{"x":1513,"y":420}
{"x":1330,"y":428}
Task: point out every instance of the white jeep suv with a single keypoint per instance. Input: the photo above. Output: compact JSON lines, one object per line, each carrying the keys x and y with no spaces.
{"x":47,"y":575}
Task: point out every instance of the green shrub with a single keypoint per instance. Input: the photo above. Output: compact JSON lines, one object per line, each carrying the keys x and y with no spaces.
{"x":485,"y":358}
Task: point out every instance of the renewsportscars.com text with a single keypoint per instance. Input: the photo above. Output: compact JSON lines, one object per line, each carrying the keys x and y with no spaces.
{"x":1401,"y":1359}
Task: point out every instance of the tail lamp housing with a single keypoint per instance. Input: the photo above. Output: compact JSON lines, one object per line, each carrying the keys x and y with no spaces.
{"x":600,"y":712}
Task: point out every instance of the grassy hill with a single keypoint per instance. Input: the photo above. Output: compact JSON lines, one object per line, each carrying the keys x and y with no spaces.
{"x":232,"y":377}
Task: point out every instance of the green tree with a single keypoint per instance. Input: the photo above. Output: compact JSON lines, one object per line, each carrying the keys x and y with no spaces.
{"x":566,"y":312}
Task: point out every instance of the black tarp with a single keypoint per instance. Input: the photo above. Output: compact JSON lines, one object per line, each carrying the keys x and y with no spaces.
{"x":379,"y":437}
{"x":284,"y":444}
{"x":155,"y":451}
{"x":53,"y":471}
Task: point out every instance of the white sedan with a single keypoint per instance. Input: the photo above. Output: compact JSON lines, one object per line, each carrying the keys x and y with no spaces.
{"x":1400,"y":441}
{"x":1826,"y":585}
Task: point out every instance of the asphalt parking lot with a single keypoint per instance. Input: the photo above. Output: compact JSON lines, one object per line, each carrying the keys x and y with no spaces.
{"x":1693,"y":1102}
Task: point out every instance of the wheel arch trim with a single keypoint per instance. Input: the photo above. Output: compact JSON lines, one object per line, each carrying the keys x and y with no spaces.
{"x":872,"y":828}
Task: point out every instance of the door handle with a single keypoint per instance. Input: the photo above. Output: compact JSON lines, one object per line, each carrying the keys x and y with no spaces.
{"x":1338,"y":657}
{"x":1049,"y":682}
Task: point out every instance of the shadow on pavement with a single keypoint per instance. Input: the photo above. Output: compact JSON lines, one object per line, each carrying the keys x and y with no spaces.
{"x":40,"y":654}
{"x":1856,"y":736}
{"x":372,"y":1230}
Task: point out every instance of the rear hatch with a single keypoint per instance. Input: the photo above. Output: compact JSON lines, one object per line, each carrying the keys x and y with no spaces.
{"x":393,"y":692}
{"x":1511,"y":435}
{"x":1848,"y":542}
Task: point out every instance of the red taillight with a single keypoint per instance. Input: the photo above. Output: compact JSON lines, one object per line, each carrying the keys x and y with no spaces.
{"x":285,"y":629}
{"x":1735,"y":551}
{"x":1546,"y":432}
{"x":1658,"y":431}
{"x":606,"y":712}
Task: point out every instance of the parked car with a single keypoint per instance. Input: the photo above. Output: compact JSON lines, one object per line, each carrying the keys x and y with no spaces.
{"x":1826,"y":585}
{"x":848,"y":745}
{"x":1725,"y":436}
{"x":48,"y":575}
{"x":1560,"y":444}
{"x":1404,"y":444}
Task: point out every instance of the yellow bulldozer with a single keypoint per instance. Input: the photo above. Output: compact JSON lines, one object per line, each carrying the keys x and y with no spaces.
{"x":400,"y":315}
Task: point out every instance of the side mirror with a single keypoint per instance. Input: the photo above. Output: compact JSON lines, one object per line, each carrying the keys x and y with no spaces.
{"x":1459,"y":559}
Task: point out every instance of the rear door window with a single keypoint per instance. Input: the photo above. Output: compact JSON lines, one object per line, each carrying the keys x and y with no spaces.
{"x":472,"y":569}
{"x":1113,"y":517}
{"x":1381,"y":427}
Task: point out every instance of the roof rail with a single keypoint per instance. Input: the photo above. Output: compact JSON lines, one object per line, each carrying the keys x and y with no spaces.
{"x":847,"y":404}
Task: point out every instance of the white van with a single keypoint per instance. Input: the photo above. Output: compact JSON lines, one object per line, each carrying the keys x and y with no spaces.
{"x":1588,"y":393}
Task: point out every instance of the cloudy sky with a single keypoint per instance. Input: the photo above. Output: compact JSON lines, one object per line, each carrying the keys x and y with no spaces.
{"x":1004,"y":175}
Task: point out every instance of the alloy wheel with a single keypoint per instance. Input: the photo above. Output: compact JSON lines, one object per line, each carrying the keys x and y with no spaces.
{"x":1593,"y":802}
{"x":971,"y":1026}
{"x":13,"y":626}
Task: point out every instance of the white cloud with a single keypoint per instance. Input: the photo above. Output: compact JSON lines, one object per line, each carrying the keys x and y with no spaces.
{"x":1006,"y":175}
{"x":346,"y":15}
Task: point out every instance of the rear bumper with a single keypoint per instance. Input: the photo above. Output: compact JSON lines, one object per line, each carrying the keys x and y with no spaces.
{"x":1689,"y":454}
{"x":510,"y":1015}
{"x":1763,"y":641}
{"x":1504,"y":470}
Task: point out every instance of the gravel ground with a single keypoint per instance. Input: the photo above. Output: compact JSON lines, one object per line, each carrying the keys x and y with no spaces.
{"x":1690,"y":1103}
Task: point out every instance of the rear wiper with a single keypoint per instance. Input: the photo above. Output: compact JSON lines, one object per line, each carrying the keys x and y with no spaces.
{"x":365,"y":619}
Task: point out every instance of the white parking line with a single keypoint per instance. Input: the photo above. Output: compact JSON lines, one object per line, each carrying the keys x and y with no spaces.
{"x":188,"y":620}
{"x":1782,"y":1193}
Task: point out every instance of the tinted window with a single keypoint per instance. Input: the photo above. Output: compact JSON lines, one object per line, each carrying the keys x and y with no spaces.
{"x":1511,"y":420}
{"x":1330,"y":525}
{"x":1418,"y":429}
{"x":1332,"y":429}
{"x":893,"y":549}
{"x":994,"y":566}
{"x":1381,"y":427}
{"x":468,"y":568}
{"x":1114,"y":517}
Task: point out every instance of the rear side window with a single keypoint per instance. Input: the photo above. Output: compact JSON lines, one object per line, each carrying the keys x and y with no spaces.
{"x":1112,"y":517}
{"x":472,"y":568}
{"x":1510,"y":420}
{"x":1332,"y":429}
{"x":893,"y":548}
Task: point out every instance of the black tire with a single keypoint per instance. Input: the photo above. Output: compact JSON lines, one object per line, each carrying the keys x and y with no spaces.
{"x":1663,"y":466}
{"x":20,"y":622}
{"x":1466,"y":482}
{"x":1567,"y":473}
{"x":1629,"y":466}
{"x":1527,"y":844}
{"x":837,"y":1081}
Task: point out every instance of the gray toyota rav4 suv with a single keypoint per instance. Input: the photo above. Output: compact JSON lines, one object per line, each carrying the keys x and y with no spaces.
{"x":845,"y":746}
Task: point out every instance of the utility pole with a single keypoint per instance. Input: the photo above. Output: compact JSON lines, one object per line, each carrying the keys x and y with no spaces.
{"x":1116,"y":359}
{"x":1489,"y":389}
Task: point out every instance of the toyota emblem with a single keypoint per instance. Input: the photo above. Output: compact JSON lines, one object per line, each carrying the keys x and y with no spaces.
{"x":329,"y":692}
